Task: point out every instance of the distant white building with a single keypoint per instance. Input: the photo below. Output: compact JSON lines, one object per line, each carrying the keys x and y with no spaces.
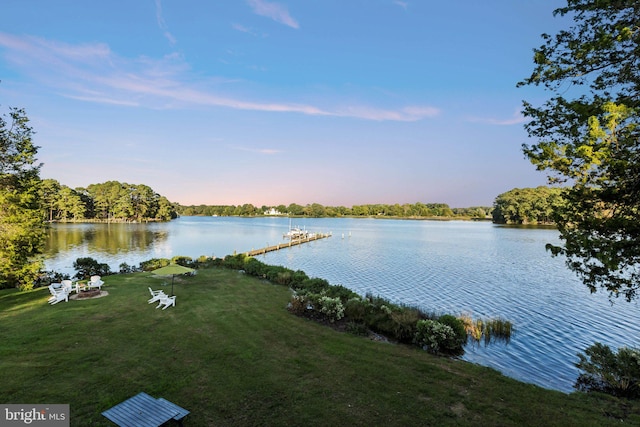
{"x":272,"y":211}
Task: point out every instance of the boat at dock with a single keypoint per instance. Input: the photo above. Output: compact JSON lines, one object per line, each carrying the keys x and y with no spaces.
{"x":296,"y":233}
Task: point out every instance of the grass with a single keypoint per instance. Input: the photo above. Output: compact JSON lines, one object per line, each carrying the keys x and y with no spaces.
{"x":233,"y":355}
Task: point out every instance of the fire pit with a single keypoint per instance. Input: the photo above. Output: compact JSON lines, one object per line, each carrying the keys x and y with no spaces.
{"x":89,"y":293}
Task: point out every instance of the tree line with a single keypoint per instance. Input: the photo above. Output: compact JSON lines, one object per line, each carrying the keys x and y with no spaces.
{"x":316,"y":210}
{"x":527,"y":206}
{"x":108,"y":201}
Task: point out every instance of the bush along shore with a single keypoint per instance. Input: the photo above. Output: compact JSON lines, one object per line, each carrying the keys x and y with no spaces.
{"x":343,"y":309}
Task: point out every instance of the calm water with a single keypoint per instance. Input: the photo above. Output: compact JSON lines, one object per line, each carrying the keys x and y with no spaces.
{"x":455,"y":267}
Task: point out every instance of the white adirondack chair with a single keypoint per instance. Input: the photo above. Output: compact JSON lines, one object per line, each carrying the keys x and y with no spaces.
{"x":167,"y":302}
{"x":95,"y":282}
{"x":58,"y":294}
{"x":68,"y":286}
{"x":53,"y":290}
{"x":156,"y":295}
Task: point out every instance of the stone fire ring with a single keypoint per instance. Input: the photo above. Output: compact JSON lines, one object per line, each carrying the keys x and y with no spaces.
{"x":90,"y":294}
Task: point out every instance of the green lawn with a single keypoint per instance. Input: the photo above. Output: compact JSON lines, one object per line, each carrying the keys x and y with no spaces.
{"x":233,"y":355}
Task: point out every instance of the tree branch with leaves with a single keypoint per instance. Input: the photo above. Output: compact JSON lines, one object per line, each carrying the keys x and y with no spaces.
{"x":588,"y":139}
{"x":21,"y":222}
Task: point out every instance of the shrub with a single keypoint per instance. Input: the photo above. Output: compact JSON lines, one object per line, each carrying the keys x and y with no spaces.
{"x":608,"y":372}
{"x":298,"y":305}
{"x":45,"y":278}
{"x":331,"y":307}
{"x":154,"y":263}
{"x":457,"y":325}
{"x":339,"y":291}
{"x":125,"y":268}
{"x":356,"y":309}
{"x":234,"y":262}
{"x":278,"y":274}
{"x":315,"y":285}
{"x":87,"y":267}
{"x":405,"y":324}
{"x":185,"y":261}
{"x":379,"y":320}
{"x":297,"y":278}
{"x":254,"y":267}
{"x":283,"y":278}
{"x":437,"y":337}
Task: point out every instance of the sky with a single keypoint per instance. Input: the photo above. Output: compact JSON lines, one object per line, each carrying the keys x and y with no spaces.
{"x":227,"y":102}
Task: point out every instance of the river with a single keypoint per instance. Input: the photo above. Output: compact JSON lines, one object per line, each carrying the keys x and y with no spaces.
{"x":455,"y":267}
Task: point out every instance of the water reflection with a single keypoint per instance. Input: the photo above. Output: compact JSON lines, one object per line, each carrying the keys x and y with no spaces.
{"x":110,"y":243}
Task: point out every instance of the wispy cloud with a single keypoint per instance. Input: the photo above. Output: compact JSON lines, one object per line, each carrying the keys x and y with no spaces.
{"x":266,"y":151}
{"x":402,"y":4}
{"x":247,"y":30}
{"x":162,"y":24}
{"x":93,"y":73}
{"x":275,"y":11}
{"x":515,"y":119}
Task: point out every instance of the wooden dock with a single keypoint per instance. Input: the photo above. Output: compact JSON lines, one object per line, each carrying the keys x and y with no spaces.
{"x":290,"y":243}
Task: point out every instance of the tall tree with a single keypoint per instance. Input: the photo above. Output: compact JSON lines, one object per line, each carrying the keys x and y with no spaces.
{"x":588,"y":138}
{"x":70,"y":204}
{"x":49,"y":189}
{"x":21,"y":220}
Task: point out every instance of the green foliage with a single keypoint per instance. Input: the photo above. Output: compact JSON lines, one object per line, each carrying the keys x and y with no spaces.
{"x":590,"y":141}
{"x":316,"y":210}
{"x":609,"y":372}
{"x":314,"y":286}
{"x":356,"y":309}
{"x":109,"y":201}
{"x":283,"y":278}
{"x":235,"y":262}
{"x":125,"y":268}
{"x":21,"y":223}
{"x":154,"y":263}
{"x":404,"y":324}
{"x":254,"y":267}
{"x":87,"y":267}
{"x":297,"y":278}
{"x":331,"y":307}
{"x":298,"y":304}
{"x":457,"y":326}
{"x":45,"y":278}
{"x":278,"y":274}
{"x":185,"y":261}
{"x":436,"y":337}
{"x":341,"y":292}
{"x":526,"y":205}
